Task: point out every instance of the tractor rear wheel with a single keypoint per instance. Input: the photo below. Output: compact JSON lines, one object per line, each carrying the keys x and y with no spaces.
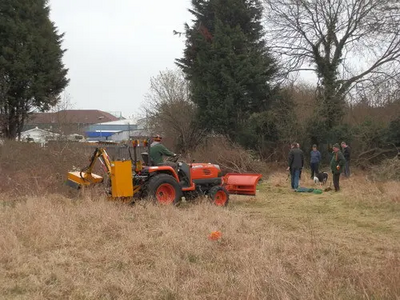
{"x":164,"y":189}
{"x":219,"y":196}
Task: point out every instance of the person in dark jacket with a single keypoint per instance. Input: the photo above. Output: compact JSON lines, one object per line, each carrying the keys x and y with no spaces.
{"x":301,"y":170}
{"x":337,"y":165}
{"x":346,"y":153}
{"x":158,"y":150}
{"x":295,"y":164}
{"x":315,"y":160}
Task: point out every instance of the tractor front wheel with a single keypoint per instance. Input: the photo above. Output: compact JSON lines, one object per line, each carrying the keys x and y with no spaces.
{"x":164,"y":189}
{"x":219,"y":196}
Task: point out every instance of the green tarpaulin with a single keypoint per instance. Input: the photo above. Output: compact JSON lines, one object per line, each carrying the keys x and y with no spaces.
{"x":308,"y":190}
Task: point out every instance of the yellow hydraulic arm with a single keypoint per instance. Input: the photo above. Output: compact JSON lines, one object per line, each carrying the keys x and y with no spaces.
{"x":85,"y":177}
{"x":120,"y":173}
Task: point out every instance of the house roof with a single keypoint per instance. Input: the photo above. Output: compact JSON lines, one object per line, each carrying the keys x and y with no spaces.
{"x":37,"y":130}
{"x":75,"y":116}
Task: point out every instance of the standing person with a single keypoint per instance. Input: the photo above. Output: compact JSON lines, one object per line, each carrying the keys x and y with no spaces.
{"x":301,"y":170}
{"x":337,"y":165}
{"x":346,"y":154}
{"x":315,"y":160}
{"x":288,"y":169}
{"x":295,"y":164}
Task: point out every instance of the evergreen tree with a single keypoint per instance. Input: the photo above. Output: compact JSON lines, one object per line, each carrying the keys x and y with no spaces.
{"x":227,"y":63}
{"x":32,"y":74}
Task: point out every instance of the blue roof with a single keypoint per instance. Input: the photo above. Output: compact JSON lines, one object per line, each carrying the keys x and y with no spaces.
{"x":106,"y":134}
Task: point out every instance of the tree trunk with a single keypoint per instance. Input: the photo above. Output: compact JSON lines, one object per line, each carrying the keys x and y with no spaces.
{"x":332,"y":101}
{"x":11,"y":130}
{"x":12,"y":124}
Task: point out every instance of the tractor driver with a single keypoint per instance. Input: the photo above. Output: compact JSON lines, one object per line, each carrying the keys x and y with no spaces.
{"x":158,"y":150}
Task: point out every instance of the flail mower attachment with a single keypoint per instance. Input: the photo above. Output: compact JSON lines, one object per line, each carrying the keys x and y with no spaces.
{"x":85,"y":177}
{"x":78,"y":179}
{"x":241,"y":184}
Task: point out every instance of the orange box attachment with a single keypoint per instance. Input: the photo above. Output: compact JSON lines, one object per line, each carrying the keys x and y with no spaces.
{"x":241,"y":184}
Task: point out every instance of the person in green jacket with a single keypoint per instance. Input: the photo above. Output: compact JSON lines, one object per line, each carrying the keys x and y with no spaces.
{"x":337,"y":165}
{"x":158,"y":151}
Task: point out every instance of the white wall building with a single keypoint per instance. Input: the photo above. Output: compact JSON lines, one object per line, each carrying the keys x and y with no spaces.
{"x":41,"y":136}
{"x":116,"y":131}
{"x":38,"y":135}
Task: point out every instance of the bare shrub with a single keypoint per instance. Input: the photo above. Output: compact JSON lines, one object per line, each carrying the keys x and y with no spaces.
{"x":388,"y":170}
{"x":28,"y":169}
{"x":171,"y":112}
{"x":230,"y":156}
{"x":305,"y":100}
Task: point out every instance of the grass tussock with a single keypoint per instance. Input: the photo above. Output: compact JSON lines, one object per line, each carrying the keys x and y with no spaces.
{"x":389,"y":169}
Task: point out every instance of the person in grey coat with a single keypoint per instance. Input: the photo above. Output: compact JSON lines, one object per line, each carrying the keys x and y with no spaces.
{"x":315,"y":160}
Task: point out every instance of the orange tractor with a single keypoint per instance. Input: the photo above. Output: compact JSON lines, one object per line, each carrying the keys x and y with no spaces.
{"x":134,"y":178}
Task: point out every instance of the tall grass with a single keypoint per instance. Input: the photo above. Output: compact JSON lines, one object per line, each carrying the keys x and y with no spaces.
{"x":278,"y":245}
{"x":92,"y":249}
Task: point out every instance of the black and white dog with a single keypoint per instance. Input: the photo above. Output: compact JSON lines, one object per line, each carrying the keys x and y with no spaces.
{"x":321,"y":178}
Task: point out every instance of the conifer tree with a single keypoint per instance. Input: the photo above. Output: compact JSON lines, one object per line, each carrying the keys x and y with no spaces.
{"x":32,"y":74}
{"x":227,"y":63}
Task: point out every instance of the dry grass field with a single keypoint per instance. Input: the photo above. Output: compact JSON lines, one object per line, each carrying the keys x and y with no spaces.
{"x":279,"y":245}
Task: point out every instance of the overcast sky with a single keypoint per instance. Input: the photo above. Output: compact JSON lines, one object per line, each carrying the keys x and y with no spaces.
{"x":115,"y":46}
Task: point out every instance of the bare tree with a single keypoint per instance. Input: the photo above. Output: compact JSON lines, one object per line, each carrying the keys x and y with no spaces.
{"x":379,"y":94}
{"x":345,"y":42}
{"x":170,"y":110}
{"x":64,"y":122}
{"x":65,"y":103}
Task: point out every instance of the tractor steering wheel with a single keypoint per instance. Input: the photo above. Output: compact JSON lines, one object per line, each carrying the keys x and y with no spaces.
{"x":174,"y":158}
